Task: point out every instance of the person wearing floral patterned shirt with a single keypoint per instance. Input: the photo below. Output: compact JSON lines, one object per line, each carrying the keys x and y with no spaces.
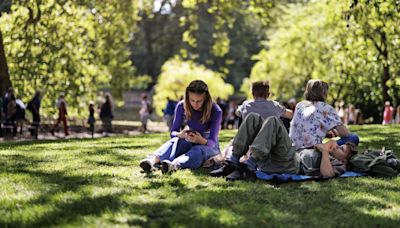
{"x":314,"y":118}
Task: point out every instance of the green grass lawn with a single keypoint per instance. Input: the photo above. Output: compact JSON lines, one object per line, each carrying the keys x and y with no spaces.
{"x":98,"y":182}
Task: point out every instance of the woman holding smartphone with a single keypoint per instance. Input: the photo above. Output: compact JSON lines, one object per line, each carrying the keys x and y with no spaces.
{"x":190,"y":148}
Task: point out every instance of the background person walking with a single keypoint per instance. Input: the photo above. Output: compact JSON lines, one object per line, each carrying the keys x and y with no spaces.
{"x":91,"y":120}
{"x":20,"y":114}
{"x":62,"y":115}
{"x":34,"y":107}
{"x":106,"y":114}
{"x":397,"y":118}
{"x":169,"y":112}
{"x":11,"y":112}
{"x":387,"y":114}
{"x":145,"y":112}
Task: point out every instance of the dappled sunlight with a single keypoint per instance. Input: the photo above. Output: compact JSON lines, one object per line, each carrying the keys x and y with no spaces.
{"x":390,"y":212}
{"x":310,"y":187}
{"x":143,"y":54}
{"x":17,"y":190}
{"x":224,"y":216}
{"x":371,"y":197}
{"x":377,"y":136}
{"x":89,"y":182}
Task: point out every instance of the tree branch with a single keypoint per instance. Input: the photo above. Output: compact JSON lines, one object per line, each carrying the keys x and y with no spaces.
{"x":34,"y":19}
{"x":375,"y":43}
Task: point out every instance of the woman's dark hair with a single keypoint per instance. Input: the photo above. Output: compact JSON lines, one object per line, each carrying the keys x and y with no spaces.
{"x":198,"y":87}
{"x":316,"y":90}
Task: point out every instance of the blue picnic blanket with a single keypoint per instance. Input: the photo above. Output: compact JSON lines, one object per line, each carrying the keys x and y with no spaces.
{"x":291,"y":177}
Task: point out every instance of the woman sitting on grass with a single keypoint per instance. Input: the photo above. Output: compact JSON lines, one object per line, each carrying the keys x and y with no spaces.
{"x":314,"y":119}
{"x":190,"y":148}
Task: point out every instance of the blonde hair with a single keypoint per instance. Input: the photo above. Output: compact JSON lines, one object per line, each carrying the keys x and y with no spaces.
{"x":198,"y":87}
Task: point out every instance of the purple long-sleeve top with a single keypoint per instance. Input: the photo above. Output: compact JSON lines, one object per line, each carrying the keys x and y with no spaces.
{"x":212,"y":126}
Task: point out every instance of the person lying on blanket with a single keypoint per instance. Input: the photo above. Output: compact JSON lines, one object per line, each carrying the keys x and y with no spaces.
{"x":271,"y":150}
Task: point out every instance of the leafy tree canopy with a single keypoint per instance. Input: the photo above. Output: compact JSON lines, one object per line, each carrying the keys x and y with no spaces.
{"x":79,"y":47}
{"x":176,"y":76}
{"x":354,"y":49}
{"x":74,"y":47}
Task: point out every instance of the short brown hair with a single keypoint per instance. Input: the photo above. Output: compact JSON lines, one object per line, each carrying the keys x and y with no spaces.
{"x":260,"y":89}
{"x":316,"y":90}
{"x":353,"y":149}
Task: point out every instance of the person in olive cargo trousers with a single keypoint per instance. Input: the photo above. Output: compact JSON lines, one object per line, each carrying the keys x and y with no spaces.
{"x":272,"y":151}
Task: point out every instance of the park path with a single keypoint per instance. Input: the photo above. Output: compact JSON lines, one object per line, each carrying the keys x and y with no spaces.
{"x":154,"y":127}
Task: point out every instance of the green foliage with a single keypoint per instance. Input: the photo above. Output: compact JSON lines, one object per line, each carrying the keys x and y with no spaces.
{"x":318,"y":40}
{"x":79,"y":47}
{"x":377,"y":22}
{"x":89,"y":183}
{"x":223,"y":36}
{"x":71,"y":47}
{"x":158,"y":37}
{"x":176,"y":76}
{"x":296,"y":48}
{"x":221,"y":45}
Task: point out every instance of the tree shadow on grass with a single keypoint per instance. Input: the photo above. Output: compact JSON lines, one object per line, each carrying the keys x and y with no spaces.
{"x":208,"y":203}
{"x":17,"y":144}
{"x":21,"y":164}
{"x":59,"y":183}
{"x":378,"y":144}
{"x":98,"y":142}
{"x":238,"y":204}
{"x":64,"y":213}
{"x":254,"y":206}
{"x":229,"y":204}
{"x":110,"y":158}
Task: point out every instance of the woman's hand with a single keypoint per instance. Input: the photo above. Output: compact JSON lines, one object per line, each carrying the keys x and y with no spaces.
{"x":182,"y":134}
{"x":192,"y":136}
{"x":189,"y":135}
{"x":195,"y":137}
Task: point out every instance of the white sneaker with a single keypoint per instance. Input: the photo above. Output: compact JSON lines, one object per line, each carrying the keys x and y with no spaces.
{"x":168,"y":167}
{"x":147,"y":165}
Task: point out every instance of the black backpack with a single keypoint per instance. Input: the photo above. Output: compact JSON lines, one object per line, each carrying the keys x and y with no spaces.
{"x":379,"y":163}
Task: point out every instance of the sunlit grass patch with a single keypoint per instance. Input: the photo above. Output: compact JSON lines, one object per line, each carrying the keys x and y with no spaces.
{"x":99,"y":183}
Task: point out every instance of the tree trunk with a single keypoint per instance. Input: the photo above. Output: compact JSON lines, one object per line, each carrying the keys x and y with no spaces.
{"x":339,"y":94}
{"x":147,"y":27}
{"x":384,"y":78}
{"x":385,"y":73}
{"x":4,"y":74}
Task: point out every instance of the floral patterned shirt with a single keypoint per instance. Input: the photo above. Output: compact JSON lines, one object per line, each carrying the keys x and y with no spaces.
{"x":311,"y":122}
